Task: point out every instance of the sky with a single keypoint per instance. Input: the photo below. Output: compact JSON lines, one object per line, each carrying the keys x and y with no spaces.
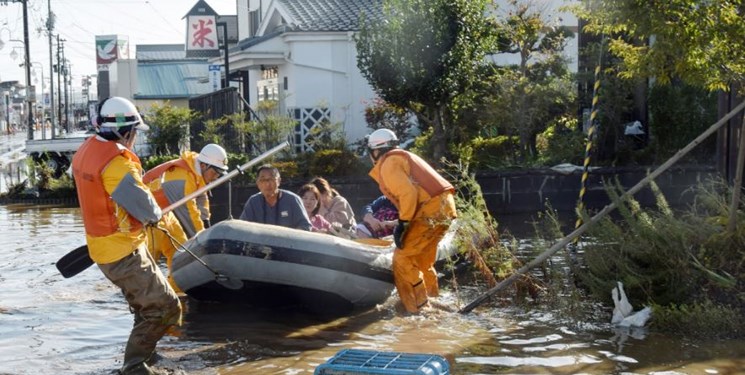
{"x":79,"y":21}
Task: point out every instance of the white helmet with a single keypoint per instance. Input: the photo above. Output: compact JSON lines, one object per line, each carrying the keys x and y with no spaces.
{"x":215,"y":156}
{"x":117,"y":114}
{"x":382,"y":138}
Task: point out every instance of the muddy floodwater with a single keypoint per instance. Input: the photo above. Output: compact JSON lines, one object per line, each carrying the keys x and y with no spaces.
{"x":51,"y":325}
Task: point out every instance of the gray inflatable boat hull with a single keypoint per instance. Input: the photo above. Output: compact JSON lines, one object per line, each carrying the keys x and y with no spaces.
{"x":283,"y":266}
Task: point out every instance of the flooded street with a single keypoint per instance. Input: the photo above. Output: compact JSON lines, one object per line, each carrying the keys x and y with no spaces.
{"x":51,"y":325}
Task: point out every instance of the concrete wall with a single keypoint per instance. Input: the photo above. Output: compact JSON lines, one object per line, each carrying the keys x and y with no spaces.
{"x":512,"y":194}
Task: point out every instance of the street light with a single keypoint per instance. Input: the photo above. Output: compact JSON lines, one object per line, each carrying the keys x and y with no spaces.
{"x":13,"y":53}
{"x":26,"y":58}
{"x":2,"y":44}
{"x":43,"y":113}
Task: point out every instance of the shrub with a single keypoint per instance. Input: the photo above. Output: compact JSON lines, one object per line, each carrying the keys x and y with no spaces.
{"x":169,"y":128}
{"x":700,"y":319}
{"x":494,"y":153}
{"x":562,"y":142}
{"x":678,"y":114}
{"x":335,"y":163}
{"x":689,"y":259}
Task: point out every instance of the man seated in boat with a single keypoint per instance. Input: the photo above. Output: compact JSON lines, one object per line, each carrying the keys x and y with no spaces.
{"x":272,"y":205}
{"x":175,"y":179}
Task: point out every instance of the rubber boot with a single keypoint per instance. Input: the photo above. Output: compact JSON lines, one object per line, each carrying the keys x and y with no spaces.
{"x":140,"y":369}
{"x":134,"y":360}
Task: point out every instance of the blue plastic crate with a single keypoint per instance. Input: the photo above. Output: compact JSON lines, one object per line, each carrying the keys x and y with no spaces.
{"x":365,"y":362}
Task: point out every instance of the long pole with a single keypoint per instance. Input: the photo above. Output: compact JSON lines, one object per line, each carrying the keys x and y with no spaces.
{"x":27,"y":57}
{"x":224,"y":25}
{"x":59,"y":85}
{"x":68,"y":88}
{"x":607,"y":209}
{"x":65,"y":74}
{"x":78,"y":259}
{"x":43,"y":129}
{"x":737,"y":187}
{"x":50,"y":28}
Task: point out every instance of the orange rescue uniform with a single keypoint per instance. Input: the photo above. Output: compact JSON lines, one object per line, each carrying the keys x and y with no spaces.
{"x":170,"y":182}
{"x":111,"y":232}
{"x":425,"y":200}
{"x":115,"y":203}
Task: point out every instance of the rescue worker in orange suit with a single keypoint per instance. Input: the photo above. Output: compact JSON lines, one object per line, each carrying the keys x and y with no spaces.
{"x":426,"y":208}
{"x":174,"y":180}
{"x":116,"y":207}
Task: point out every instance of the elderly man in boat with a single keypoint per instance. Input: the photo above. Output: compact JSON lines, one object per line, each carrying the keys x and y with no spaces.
{"x":426,"y":208}
{"x":275,"y":206}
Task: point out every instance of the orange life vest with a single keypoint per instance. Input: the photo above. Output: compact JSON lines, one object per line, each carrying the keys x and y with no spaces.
{"x":97,"y":207}
{"x":421,"y":174}
{"x":158,"y":171}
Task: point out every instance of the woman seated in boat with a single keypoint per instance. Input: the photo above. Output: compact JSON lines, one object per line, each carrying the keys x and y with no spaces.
{"x":379,"y":218}
{"x":312,"y":203}
{"x":334,"y":208}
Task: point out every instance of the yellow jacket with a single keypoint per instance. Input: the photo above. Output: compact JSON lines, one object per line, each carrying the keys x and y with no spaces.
{"x":113,"y":199}
{"x":176,"y":179}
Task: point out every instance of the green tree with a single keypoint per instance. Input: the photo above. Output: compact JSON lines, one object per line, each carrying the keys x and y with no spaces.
{"x":169,"y":128}
{"x":523,"y":100}
{"x":698,"y":41}
{"x":274,"y":127}
{"x":382,"y":115}
{"x":424,"y":56}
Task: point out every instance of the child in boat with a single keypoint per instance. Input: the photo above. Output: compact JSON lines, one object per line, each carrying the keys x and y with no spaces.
{"x":379,"y":218}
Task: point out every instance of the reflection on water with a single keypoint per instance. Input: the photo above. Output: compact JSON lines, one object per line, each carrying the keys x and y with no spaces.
{"x":52,"y":325}
{"x":12,"y":160}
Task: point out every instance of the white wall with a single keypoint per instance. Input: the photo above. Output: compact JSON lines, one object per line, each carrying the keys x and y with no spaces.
{"x":123,"y":78}
{"x":322,"y":71}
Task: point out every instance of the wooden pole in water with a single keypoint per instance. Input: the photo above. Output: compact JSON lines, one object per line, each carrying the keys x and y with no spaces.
{"x":606,"y":210}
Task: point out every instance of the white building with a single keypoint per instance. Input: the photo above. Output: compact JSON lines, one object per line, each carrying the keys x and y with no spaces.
{"x":302,"y":53}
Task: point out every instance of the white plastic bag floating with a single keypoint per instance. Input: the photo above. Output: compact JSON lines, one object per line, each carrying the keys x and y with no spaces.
{"x":623,"y":314}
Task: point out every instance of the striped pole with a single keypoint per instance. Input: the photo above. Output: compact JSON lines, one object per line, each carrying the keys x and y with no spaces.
{"x":588,"y":148}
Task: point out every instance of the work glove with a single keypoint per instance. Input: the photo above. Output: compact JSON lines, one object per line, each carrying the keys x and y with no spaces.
{"x":399,"y":232}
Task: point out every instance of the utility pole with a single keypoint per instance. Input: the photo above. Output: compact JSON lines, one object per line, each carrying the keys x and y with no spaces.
{"x":68,"y":85}
{"x":50,"y":28}
{"x":67,"y":102}
{"x":59,"y":83}
{"x":27,"y":56}
{"x":224,"y":25}
{"x":27,"y":61}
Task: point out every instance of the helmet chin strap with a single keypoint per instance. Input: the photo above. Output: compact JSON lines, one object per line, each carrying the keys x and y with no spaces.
{"x":381,"y":152}
{"x":127,"y":141}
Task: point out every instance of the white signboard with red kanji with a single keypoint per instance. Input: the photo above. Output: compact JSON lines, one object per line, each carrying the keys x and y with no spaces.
{"x":201,"y":33}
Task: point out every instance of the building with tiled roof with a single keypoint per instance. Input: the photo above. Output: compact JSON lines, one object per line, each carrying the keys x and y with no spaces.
{"x":302,"y":53}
